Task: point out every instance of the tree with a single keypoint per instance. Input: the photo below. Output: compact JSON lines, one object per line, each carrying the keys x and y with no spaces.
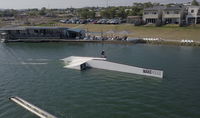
{"x":112,"y":12}
{"x":86,"y":13}
{"x":138,"y":23}
{"x":105,"y":14}
{"x":170,"y":4}
{"x":121,"y":13}
{"x":1,"y":14}
{"x":148,"y":4}
{"x":43,"y":11}
{"x":137,"y":11}
{"x":109,"y":12}
{"x":8,"y":13}
{"x":91,"y":14}
{"x":195,"y":3}
{"x":158,"y":23}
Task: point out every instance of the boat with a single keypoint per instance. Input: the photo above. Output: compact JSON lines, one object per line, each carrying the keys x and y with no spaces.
{"x":83,"y":63}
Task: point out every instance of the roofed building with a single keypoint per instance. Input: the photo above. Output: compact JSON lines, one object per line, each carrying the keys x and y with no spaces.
{"x":37,"y":33}
{"x":151,"y":15}
{"x":193,"y":16}
{"x":134,"y":19}
{"x":167,"y":15}
{"x":173,"y":14}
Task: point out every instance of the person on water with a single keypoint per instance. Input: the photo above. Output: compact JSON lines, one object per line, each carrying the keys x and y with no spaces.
{"x":103,"y":54}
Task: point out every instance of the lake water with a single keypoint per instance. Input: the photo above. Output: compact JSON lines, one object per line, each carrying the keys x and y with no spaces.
{"x":34,"y":72}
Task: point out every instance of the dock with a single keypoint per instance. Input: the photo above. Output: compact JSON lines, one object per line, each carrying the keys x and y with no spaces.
{"x":32,"y":108}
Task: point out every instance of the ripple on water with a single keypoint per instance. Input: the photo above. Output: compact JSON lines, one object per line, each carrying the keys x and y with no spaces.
{"x":99,"y":93}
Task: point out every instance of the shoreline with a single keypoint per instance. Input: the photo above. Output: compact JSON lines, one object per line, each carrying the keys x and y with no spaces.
{"x":139,"y":41}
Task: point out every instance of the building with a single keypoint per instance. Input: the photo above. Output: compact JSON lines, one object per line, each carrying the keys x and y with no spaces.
{"x":187,"y":4}
{"x":40,"y":33}
{"x":134,"y":19}
{"x":193,"y":16}
{"x":167,"y":15}
{"x":151,"y":15}
{"x":173,"y":14}
{"x":97,"y":14}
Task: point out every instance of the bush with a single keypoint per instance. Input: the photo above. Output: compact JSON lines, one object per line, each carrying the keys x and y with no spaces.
{"x":182,"y":24}
{"x":158,"y":23}
{"x":138,"y":23}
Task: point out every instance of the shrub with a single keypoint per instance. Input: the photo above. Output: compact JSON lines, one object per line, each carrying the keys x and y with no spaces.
{"x":138,"y":23}
{"x":158,"y":23}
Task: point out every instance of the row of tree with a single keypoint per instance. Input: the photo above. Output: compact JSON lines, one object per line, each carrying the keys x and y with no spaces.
{"x":8,"y":13}
{"x":119,"y":12}
{"x":122,"y":12}
{"x":110,"y":12}
{"x":86,"y":13}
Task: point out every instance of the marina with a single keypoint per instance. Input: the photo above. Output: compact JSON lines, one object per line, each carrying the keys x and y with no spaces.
{"x":100,"y":59}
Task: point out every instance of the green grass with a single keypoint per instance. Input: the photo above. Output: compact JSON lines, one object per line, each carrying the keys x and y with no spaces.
{"x":173,"y":32}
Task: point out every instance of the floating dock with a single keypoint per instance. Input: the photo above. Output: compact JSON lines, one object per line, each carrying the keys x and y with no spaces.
{"x":82,"y":63}
{"x":32,"y":108}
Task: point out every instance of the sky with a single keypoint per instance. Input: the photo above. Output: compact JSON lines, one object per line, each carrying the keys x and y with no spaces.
{"x":23,"y":4}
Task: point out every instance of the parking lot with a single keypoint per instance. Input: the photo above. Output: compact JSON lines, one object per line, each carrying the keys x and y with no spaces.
{"x":92,"y":21}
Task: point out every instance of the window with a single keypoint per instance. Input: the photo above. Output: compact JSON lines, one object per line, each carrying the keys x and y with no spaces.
{"x":176,"y":12}
{"x":192,"y":11}
{"x":198,"y":12}
{"x":35,"y":31}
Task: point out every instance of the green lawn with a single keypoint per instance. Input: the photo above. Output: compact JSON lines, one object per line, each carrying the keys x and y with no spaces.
{"x":166,"y":32}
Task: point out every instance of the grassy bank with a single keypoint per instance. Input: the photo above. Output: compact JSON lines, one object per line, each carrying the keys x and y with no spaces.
{"x":166,"y":32}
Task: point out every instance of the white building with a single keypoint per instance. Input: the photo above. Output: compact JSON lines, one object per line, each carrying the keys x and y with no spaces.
{"x":151,"y":15}
{"x":173,"y":14}
{"x":193,"y":16}
{"x":168,"y":15}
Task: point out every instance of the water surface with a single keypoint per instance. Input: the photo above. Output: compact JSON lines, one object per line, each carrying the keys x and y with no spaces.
{"x":34,"y":72}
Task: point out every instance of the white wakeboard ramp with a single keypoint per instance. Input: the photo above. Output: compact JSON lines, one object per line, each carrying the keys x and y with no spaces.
{"x":82,"y":63}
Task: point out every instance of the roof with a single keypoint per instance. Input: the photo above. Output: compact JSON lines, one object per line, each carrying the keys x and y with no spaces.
{"x":38,"y":27}
{"x":29,"y":27}
{"x":176,"y":7}
{"x":75,"y":30}
{"x":12,"y":28}
{"x":156,"y":8}
{"x":193,"y":7}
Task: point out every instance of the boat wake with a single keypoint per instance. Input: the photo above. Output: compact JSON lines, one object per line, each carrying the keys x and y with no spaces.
{"x":32,"y":63}
{"x":38,"y":59}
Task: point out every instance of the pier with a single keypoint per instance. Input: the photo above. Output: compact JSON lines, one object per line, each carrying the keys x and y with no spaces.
{"x":32,"y":108}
